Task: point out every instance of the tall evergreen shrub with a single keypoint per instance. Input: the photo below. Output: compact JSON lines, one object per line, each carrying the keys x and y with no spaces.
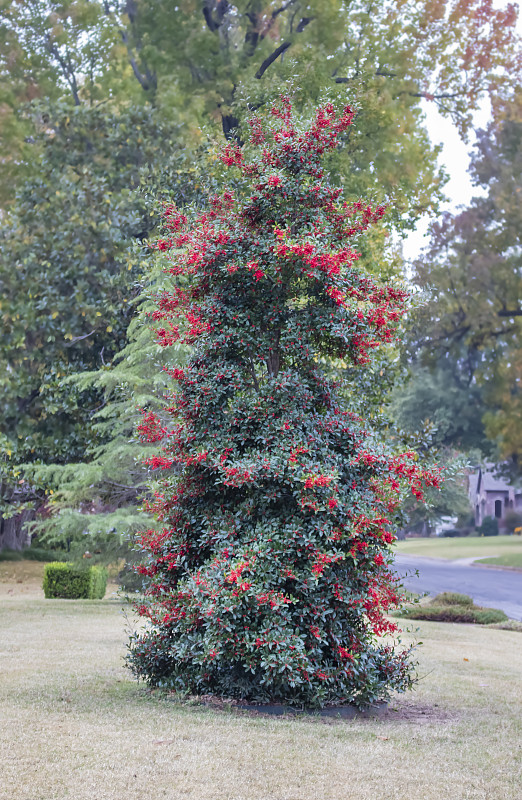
{"x":268,"y":575}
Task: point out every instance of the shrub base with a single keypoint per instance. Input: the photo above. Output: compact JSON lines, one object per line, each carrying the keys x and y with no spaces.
{"x":341,"y":712}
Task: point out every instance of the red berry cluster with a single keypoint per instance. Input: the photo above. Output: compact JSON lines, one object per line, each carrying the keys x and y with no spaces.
{"x":268,"y":576}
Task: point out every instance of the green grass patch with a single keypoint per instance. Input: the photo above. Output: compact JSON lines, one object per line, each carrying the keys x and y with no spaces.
{"x":75,"y":724}
{"x":505,"y":547}
{"x":509,"y":560}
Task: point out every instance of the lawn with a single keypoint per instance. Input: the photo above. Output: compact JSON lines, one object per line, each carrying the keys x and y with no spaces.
{"x":506,"y":550}
{"x":75,"y":724}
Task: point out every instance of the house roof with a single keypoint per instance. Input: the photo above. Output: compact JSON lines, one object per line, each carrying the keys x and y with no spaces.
{"x":473,"y":481}
{"x":486,"y":480}
{"x":491,"y":483}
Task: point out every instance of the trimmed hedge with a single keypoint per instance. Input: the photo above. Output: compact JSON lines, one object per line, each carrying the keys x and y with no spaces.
{"x":70,"y":582}
{"x":473,"y":615}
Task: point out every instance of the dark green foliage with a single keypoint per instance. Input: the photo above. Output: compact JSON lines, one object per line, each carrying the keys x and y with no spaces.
{"x":95,"y":503}
{"x":10,"y":555}
{"x":67,"y":271}
{"x":63,"y":580}
{"x":29,"y":554}
{"x":68,"y":307}
{"x":40,"y":554}
{"x":489,"y":527}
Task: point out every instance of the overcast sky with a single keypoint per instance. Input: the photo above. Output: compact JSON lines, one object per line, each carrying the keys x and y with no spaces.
{"x":455,"y":159}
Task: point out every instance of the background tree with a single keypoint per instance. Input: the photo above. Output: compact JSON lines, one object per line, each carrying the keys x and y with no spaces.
{"x":95,"y":503}
{"x":66,"y":276}
{"x":436,"y":396}
{"x":205,"y":60}
{"x":49,"y":51}
{"x":473,"y":320}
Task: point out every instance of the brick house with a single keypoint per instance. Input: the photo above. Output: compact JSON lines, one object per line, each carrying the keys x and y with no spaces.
{"x":491,"y":496}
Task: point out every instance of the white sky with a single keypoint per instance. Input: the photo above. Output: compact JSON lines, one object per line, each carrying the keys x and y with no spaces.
{"x":455,"y":158}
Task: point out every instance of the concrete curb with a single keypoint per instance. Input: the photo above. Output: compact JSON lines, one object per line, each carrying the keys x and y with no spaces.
{"x":498,"y":567}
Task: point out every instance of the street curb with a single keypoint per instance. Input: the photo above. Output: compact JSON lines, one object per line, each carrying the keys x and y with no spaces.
{"x":498,"y":567}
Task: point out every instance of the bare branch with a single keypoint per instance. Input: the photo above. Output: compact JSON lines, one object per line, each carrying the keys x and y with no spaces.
{"x":79,"y":338}
{"x":271,"y":58}
{"x":516,"y":312}
{"x":67,"y":69}
{"x":253,"y":374}
{"x":428,"y":96}
{"x":208,"y":19}
{"x":281,"y":49}
{"x":148,"y":80}
{"x":425,"y":95}
{"x":122,"y":485}
{"x":303,"y":23}
{"x":283,"y":8}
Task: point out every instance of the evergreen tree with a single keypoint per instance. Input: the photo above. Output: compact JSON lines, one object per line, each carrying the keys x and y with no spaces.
{"x":268,"y":576}
{"x":95,"y":503}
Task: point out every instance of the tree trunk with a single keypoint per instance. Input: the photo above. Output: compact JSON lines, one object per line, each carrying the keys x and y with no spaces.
{"x":12,"y":533}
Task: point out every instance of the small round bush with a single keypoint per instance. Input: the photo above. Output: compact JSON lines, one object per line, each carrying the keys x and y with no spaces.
{"x":489,"y":527}
{"x":454,"y":607}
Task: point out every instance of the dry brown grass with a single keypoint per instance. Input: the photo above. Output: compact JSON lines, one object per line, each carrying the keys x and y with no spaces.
{"x":75,"y":725}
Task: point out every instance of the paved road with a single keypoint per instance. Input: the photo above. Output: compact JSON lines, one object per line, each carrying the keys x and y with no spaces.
{"x":488,"y":587}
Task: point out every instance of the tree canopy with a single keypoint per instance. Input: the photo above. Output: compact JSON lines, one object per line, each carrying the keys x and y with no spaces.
{"x":94,"y":90}
{"x":474,"y":317}
{"x":204,"y":61}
